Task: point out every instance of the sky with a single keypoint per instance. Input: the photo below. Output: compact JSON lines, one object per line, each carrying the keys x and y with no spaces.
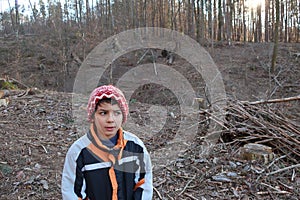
{"x":4,"y":6}
{"x":4,"y":3}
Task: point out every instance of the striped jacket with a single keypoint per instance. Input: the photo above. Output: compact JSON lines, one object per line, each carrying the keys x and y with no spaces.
{"x":92,"y":171}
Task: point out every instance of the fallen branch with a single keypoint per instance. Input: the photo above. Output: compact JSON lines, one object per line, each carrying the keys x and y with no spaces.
{"x":283,"y":169}
{"x":19,"y":83}
{"x":295,"y":98}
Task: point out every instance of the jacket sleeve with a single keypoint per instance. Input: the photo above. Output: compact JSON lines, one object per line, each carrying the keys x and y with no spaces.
{"x":70,"y":171}
{"x":144,"y":191}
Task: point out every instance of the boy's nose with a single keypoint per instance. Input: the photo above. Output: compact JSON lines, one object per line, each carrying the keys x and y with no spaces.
{"x":110,"y":117}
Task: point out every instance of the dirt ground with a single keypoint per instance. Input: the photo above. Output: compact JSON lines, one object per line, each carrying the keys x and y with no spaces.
{"x":37,"y":129}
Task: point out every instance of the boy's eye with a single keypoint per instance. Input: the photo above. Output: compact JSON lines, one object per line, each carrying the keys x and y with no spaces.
{"x":102,"y":112}
{"x":118,"y":112}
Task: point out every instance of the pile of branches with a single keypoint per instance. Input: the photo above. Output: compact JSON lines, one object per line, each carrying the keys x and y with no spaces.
{"x":260,"y":122}
{"x":221,"y":172}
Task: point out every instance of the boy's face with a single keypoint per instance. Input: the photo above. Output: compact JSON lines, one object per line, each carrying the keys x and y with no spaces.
{"x":108,"y":119}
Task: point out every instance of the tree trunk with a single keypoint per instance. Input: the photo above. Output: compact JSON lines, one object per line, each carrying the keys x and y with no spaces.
{"x":88,"y":12}
{"x":274,"y":57}
{"x":220,"y":20}
{"x":286,"y":23}
{"x":181,"y":29}
{"x":215,"y":22}
{"x":17,"y":18}
{"x":259,"y":24}
{"x":272,"y":19}
{"x":228,"y":20}
{"x":244,"y":21}
{"x":191,"y":24}
{"x":172,"y":15}
{"x":11,"y":16}
{"x":210,"y":20}
{"x":267,"y":5}
{"x":76,"y":10}
{"x":281,"y":34}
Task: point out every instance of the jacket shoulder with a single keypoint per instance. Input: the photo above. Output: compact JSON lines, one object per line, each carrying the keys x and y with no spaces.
{"x":79,"y":144}
{"x":133,"y":138}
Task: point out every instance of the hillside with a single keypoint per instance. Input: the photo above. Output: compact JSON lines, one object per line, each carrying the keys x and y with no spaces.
{"x":38,"y":127}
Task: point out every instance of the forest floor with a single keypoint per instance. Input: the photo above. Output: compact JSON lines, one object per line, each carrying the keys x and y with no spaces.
{"x":37,"y":128}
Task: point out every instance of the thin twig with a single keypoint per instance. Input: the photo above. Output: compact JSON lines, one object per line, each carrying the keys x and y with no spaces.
{"x":160,"y":183}
{"x":190,"y":196}
{"x":154,"y":64}
{"x":157,"y":192}
{"x":274,"y":192}
{"x":142,"y":57}
{"x":272,"y":163}
{"x":293,"y":175}
{"x":187,"y":185}
{"x":283,"y":169}
{"x":277,"y":190}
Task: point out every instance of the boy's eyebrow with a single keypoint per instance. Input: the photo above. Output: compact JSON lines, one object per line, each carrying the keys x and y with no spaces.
{"x":102,"y":109}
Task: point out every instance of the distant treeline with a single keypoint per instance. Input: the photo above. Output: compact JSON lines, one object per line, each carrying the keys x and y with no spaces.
{"x":203,"y":20}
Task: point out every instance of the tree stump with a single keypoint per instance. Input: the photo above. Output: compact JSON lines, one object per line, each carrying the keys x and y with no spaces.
{"x":257,"y":152}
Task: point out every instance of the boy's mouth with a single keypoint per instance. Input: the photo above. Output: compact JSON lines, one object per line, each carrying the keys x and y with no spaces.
{"x":110,"y":128}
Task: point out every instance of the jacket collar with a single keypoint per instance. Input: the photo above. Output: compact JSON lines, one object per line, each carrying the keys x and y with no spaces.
{"x":97,"y":142}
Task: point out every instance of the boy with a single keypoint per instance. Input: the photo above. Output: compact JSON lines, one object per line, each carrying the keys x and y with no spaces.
{"x":107,"y":163}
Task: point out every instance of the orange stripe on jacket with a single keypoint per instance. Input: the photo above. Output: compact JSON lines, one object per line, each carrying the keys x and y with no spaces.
{"x":138,"y":184}
{"x":113,"y":179}
{"x":98,"y":152}
{"x":122,"y":148}
{"x":105,"y":156}
{"x":97,"y":140}
{"x":112,"y":176}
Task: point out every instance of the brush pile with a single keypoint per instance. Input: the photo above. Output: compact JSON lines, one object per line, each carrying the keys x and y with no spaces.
{"x":260,"y":123}
{"x":220,"y":172}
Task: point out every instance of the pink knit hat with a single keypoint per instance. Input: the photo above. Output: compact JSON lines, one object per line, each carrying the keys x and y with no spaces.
{"x":107,"y":91}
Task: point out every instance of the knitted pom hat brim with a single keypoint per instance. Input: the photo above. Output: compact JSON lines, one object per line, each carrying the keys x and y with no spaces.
{"x":104,"y":92}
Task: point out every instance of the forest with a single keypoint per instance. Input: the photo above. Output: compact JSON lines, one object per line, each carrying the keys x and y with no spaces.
{"x":204,"y":20}
{"x":71,"y":28}
{"x":249,"y":151}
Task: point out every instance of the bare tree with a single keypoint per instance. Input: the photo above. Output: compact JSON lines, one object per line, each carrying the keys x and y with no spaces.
{"x":17,"y":17}
{"x":286,"y":22}
{"x":267,"y":6}
{"x":259,"y":24}
{"x":34,"y":10}
{"x":244,"y":21}
{"x":181,"y":27}
{"x":220,"y":20}
{"x":88,"y":12}
{"x":215,"y":22}
{"x":274,"y":57}
{"x":210,"y":19}
{"x":228,"y":20}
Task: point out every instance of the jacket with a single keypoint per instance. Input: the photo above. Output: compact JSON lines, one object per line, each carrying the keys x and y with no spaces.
{"x":92,"y":171}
